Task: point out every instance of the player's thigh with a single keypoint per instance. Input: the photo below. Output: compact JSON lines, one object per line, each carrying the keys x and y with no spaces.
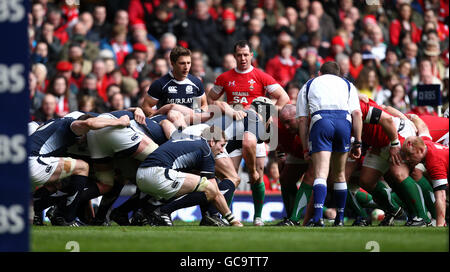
{"x":338,"y":162}
{"x":51,"y":169}
{"x":399,"y":172}
{"x":369,"y":178}
{"x":321,"y":163}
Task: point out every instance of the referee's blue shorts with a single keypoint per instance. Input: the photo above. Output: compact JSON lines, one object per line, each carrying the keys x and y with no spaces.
{"x":330,"y":130}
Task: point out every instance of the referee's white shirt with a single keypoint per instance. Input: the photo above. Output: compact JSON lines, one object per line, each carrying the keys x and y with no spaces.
{"x":327,"y":92}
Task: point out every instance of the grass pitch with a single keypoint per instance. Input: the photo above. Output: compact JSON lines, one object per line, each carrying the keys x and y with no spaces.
{"x":189,"y":237}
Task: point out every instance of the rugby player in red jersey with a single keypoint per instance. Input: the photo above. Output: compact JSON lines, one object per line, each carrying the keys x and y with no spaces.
{"x":242,"y":85}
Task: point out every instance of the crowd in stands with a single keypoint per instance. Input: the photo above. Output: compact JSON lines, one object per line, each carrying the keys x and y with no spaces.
{"x":103,"y":55}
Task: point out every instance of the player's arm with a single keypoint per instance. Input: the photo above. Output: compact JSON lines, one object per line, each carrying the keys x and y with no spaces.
{"x":81,"y":127}
{"x":228,"y":110}
{"x":148,"y":104}
{"x":139,"y":114}
{"x":422,"y":128}
{"x":302,"y":113}
{"x":394,"y":111}
{"x":281,"y":97}
{"x":215,"y":92}
{"x":387,"y":123}
{"x":357,"y":125}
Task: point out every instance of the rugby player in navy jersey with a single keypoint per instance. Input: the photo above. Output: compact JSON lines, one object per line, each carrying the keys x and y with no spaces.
{"x":176,"y":87}
{"x":168,"y":173}
{"x":50,"y":165}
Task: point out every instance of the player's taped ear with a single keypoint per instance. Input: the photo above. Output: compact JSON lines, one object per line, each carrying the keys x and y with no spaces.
{"x":105,"y":177}
{"x":202,"y":184}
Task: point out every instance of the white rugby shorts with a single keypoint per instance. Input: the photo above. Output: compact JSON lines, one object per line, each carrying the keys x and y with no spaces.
{"x":159,"y":182}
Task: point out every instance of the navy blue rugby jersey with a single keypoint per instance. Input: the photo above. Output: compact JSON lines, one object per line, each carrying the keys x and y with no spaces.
{"x":168,"y":90}
{"x":53,"y":138}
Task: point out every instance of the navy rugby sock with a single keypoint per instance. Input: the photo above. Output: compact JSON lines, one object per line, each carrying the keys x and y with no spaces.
{"x":74,"y":188}
{"x":188,"y":200}
{"x":226,"y":188}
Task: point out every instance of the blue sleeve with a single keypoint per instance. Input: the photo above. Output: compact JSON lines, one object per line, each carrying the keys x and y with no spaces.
{"x":207,"y":164}
{"x":155,"y":90}
{"x":121,"y":113}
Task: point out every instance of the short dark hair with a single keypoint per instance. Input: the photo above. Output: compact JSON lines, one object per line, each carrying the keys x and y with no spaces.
{"x":242,"y":44}
{"x":330,"y":67}
{"x":177,"y":52}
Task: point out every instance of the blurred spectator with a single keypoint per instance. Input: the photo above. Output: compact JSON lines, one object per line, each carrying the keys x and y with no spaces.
{"x":66,"y":101}
{"x":112,"y":89}
{"x":160,"y":68}
{"x":47,"y":111}
{"x":35,"y":95}
{"x":390,"y":81}
{"x":398,"y":99}
{"x":87,"y":104}
{"x":405,"y":74}
{"x":167,"y":42}
{"x":116,"y":102}
{"x":101,"y":28}
{"x":292,"y":89}
{"x":75,"y":52}
{"x":130,"y":91}
{"x":295,"y":25}
{"x":140,"y":53}
{"x":325,"y":21}
{"x":40,"y":54}
{"x":140,"y":10}
{"x":272,"y":178}
{"x":77,"y":72}
{"x":129,"y":66}
{"x":272,"y":10}
{"x":309,"y":68}
{"x":337,"y":47}
{"x":40,"y":71}
{"x":53,"y":42}
{"x":117,"y":43}
{"x":241,"y":12}
{"x":89,"y":88}
{"x":255,"y":27}
{"x":64,"y":68}
{"x":54,"y":17}
{"x":344,"y":63}
{"x":302,"y":6}
{"x":390,"y":63}
{"x":165,"y":19}
{"x":432,"y":52}
{"x":200,"y":69}
{"x":441,"y":28}
{"x":403,"y":24}
{"x":410,"y":51}
{"x":139,"y":34}
{"x":225,"y":37}
{"x":88,"y":20}
{"x":99,"y":70}
{"x":283,"y":66}
{"x":121,"y":18}
{"x":201,"y":27}
{"x":367,"y":83}
{"x":228,"y":62}
{"x":38,"y":13}
{"x":379,"y":47}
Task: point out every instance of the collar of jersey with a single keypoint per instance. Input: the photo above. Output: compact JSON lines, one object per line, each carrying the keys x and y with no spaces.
{"x":184,"y":81}
{"x":244,"y":72}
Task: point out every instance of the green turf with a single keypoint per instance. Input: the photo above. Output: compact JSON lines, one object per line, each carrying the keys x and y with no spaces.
{"x":189,"y":237}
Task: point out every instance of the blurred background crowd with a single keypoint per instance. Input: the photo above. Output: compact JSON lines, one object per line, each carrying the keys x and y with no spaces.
{"x":100,"y":56}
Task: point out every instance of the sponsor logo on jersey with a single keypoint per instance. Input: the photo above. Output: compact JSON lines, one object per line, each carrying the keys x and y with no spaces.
{"x":175,"y":184}
{"x":172,"y":89}
{"x":231,"y":83}
{"x":189,"y":90}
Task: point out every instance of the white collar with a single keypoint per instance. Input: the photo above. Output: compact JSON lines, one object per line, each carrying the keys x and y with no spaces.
{"x":244,"y":72}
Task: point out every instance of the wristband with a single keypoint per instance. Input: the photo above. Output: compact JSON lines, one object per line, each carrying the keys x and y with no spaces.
{"x":395,"y":143}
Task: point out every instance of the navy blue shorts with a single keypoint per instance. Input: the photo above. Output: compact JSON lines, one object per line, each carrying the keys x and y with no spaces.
{"x":330,"y":131}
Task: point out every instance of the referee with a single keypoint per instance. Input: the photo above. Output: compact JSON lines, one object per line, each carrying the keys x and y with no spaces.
{"x":333,"y":105}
